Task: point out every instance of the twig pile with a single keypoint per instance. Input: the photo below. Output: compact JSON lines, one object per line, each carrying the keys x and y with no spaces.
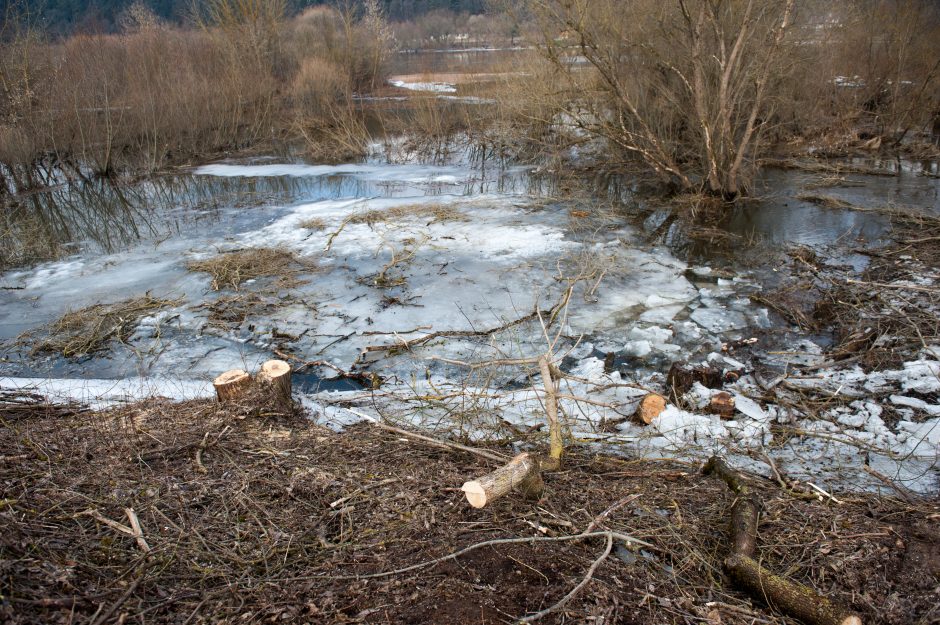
{"x":91,"y":329}
{"x":230,"y":270}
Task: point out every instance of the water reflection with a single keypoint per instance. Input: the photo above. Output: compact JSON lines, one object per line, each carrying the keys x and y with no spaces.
{"x":104,"y":216}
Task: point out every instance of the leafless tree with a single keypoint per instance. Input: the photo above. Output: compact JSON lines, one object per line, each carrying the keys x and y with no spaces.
{"x":684,"y":86}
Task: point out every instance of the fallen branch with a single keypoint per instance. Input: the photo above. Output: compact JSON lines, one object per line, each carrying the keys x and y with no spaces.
{"x":628,"y":540}
{"x":785,"y":595}
{"x":137,"y":529}
{"x":373,"y":352}
{"x":134,"y":531}
{"x":584,"y":582}
{"x":361,"y":490}
{"x":434,"y":442}
{"x":600,"y":518}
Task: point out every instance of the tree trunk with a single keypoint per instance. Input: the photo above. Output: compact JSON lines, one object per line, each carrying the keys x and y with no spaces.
{"x":231,"y":385}
{"x":521,"y":474}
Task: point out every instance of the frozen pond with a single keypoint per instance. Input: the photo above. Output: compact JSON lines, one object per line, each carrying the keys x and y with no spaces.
{"x":421,"y":274}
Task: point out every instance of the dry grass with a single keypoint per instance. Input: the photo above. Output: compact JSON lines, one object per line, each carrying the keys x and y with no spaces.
{"x":433,"y":213}
{"x":313,"y":223}
{"x":91,"y":329}
{"x":240,"y":516}
{"x":230,"y":270}
{"x":826,"y":201}
{"x":157,"y":95}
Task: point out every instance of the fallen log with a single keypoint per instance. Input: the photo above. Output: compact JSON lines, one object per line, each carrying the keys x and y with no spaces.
{"x":784,"y":595}
{"x":521,"y":474}
{"x":231,"y":385}
{"x":274,"y":377}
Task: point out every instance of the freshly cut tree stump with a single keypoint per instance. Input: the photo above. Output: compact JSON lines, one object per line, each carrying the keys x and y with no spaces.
{"x":650,"y":408}
{"x":275,"y":376}
{"x":521,"y":474}
{"x":232,"y":384}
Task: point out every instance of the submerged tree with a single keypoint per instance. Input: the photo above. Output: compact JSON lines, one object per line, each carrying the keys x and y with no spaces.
{"x":686,"y":87}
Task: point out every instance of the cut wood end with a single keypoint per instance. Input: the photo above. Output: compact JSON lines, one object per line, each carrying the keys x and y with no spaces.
{"x":275,"y":368}
{"x":229,"y":377}
{"x":851,"y":620}
{"x":476,"y":495}
{"x":651,"y":407}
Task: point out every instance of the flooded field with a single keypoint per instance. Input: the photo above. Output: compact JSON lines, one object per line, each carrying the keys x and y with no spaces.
{"x":433,"y":281}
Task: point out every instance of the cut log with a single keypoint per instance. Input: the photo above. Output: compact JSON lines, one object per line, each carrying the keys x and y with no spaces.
{"x":650,"y":408}
{"x":722,"y":404}
{"x":232,"y":384}
{"x":521,"y":474}
{"x":780,"y":593}
{"x":275,"y":377}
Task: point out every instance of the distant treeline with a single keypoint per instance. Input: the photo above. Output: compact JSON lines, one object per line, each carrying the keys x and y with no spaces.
{"x":102,"y":16}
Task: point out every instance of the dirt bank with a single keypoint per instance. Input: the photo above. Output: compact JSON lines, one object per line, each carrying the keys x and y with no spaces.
{"x":271,"y":518}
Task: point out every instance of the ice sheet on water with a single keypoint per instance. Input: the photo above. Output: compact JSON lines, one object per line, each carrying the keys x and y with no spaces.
{"x":435,"y":87}
{"x":378,"y":172}
{"x":97,"y":393}
{"x":718,"y":320}
{"x":484,"y":265}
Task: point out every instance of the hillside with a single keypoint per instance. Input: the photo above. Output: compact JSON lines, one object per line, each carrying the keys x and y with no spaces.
{"x":66,"y":16}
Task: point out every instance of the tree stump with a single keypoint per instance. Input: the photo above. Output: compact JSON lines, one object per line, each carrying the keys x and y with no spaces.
{"x":650,"y":408}
{"x":231,"y":385}
{"x":722,"y":404}
{"x":274,"y":377}
{"x":521,"y":474}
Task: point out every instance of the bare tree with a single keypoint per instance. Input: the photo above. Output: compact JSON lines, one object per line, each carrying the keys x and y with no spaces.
{"x":685,"y":87}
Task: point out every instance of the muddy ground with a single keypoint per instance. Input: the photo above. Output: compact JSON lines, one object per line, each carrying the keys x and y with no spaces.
{"x":251,"y":517}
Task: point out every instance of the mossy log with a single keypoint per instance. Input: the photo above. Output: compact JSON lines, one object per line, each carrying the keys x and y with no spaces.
{"x":521,"y":474}
{"x":789,"y":597}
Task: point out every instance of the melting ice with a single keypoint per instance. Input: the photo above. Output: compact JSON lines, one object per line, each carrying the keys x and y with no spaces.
{"x":413,"y":250}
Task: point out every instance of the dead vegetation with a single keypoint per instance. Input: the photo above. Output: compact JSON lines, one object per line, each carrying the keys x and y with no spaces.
{"x":826,"y":201}
{"x":432,"y":213}
{"x":312,"y":223}
{"x":877,"y":318}
{"x":158,"y":94}
{"x":229,"y":270}
{"x":91,"y":329}
{"x":194,"y":512}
